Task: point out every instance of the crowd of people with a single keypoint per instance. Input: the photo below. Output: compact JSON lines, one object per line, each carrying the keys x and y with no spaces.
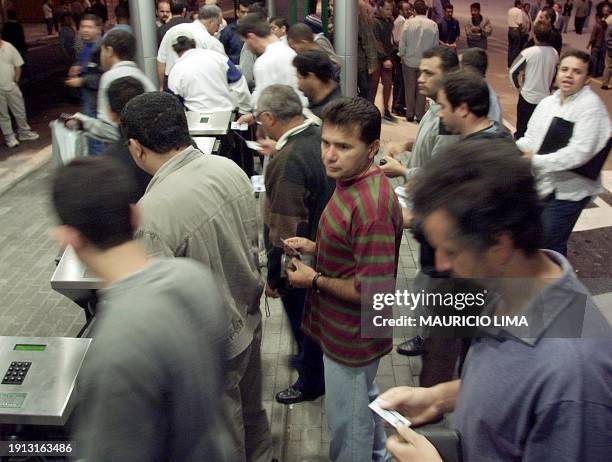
{"x":175,"y":370}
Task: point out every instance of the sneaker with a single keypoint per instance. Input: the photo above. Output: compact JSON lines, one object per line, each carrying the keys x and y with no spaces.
{"x":605,"y":87}
{"x":28,"y":135}
{"x":11,"y":141}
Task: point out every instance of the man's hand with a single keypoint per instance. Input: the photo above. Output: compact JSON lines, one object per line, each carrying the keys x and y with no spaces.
{"x":387,"y":64}
{"x":371,"y":71}
{"x":528,"y":154}
{"x":407,"y":217}
{"x":419,"y":405}
{"x":393,"y":168}
{"x":272,"y":293}
{"x":74,"y":71}
{"x":74,"y":82}
{"x":268,"y":146}
{"x":302,"y":245}
{"x":246,"y":119}
{"x":301,"y":275}
{"x":409,"y":446}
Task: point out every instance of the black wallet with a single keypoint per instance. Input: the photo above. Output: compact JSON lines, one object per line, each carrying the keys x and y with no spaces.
{"x":446,"y":441}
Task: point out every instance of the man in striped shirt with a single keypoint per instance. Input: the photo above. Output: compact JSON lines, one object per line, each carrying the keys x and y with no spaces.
{"x":357,"y":246}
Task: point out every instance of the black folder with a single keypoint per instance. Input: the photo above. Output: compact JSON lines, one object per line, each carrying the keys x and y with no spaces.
{"x":558,"y":136}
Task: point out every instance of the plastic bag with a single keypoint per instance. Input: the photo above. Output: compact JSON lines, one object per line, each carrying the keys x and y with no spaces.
{"x":67,"y":144}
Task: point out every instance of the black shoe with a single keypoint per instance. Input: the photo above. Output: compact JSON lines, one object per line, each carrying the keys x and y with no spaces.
{"x":400,"y":111}
{"x":293,"y":396}
{"x":409,"y":119}
{"x":389,"y":117}
{"x":413,"y":347}
{"x":605,"y":87}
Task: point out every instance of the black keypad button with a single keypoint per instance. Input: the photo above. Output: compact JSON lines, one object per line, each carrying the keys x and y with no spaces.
{"x":16,"y":373}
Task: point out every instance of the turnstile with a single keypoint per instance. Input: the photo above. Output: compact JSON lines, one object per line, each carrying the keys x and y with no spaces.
{"x":38,"y":379}
{"x":208,"y":123}
{"x":73,"y":280}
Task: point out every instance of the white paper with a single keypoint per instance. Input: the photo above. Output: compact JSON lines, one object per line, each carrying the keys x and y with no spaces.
{"x":254,"y":145}
{"x":258,"y":183}
{"x":391,"y":416}
{"x":237,"y":126}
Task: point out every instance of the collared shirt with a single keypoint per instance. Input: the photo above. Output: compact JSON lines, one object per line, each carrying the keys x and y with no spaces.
{"x":209,"y":81}
{"x":540,"y":65}
{"x":282,"y":141}
{"x":431,"y":138}
{"x":202,"y":207}
{"x":590,"y":134}
{"x":117,"y":71}
{"x":419,"y":34}
{"x":359,"y":236}
{"x":275,"y":66}
{"x":203,"y":39}
{"x":515,"y":17}
{"x":544,"y":397}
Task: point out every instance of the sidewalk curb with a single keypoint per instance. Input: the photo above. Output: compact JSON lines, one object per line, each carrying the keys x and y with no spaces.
{"x":12,"y":177}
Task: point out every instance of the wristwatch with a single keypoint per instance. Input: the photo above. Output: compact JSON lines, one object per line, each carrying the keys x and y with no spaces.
{"x":314,"y":282}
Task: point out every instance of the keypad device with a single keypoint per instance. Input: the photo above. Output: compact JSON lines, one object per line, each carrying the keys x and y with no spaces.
{"x":16,"y":373}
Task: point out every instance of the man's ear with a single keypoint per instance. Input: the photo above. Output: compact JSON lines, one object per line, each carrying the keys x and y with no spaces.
{"x":68,"y":236}
{"x":135,"y":216}
{"x":135,"y":148}
{"x":503,"y":248}
{"x":373,"y":149}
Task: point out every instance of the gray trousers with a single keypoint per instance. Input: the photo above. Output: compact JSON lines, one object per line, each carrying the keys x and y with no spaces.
{"x":12,"y":100}
{"x":243,"y":411}
{"x":415,"y":102}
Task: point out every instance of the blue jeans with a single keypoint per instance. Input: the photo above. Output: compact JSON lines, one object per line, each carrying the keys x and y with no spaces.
{"x":559,"y":218}
{"x":357,"y":434}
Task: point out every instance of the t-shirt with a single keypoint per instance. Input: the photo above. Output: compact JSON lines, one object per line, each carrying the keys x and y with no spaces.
{"x":540,"y":397}
{"x":359,"y":237}
{"x":150,"y":384}
{"x":540,"y":65}
{"x":9,"y":60}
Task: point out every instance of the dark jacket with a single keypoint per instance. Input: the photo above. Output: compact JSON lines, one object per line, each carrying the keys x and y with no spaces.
{"x":231,"y":42}
{"x":297,"y":191}
{"x":383,"y":29}
{"x":120,"y":151}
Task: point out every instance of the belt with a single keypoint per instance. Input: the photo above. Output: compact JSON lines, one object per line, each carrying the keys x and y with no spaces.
{"x":513,"y":27}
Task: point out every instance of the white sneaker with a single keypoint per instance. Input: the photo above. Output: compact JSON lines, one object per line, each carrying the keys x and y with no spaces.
{"x":28,"y":135}
{"x":11,"y":141}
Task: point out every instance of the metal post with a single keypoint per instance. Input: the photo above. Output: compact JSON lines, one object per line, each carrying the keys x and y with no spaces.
{"x":292,"y":11}
{"x":142,"y":17}
{"x":271,"y":8}
{"x":345,"y":42}
{"x":325,"y":15}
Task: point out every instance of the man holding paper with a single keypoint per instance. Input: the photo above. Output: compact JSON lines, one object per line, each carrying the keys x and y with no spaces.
{"x":569,"y":133}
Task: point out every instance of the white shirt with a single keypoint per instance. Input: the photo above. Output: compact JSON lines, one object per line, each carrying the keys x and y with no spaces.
{"x":419,"y":34}
{"x":200,"y":77}
{"x":540,"y":65}
{"x":275,"y":66}
{"x":515,"y":17}
{"x":202,"y":38}
{"x":117,"y":71}
{"x":589,"y":136}
{"x":398,"y":26}
{"x":9,"y":60}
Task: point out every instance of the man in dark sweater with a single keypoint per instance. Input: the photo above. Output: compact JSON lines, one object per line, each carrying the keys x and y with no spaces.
{"x":297,"y":191}
{"x":120,"y":92}
{"x":383,"y":29}
{"x":316,"y":79}
{"x":177,"y":9}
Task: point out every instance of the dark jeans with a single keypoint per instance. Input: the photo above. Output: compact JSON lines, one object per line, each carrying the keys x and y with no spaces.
{"x":310,"y":357}
{"x":49,"y":22}
{"x":514,"y":45}
{"x":364,"y":82}
{"x":579,"y":24}
{"x":559,"y":218}
{"x":398,"y":84}
{"x":598,"y":59}
{"x":524,"y":110}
